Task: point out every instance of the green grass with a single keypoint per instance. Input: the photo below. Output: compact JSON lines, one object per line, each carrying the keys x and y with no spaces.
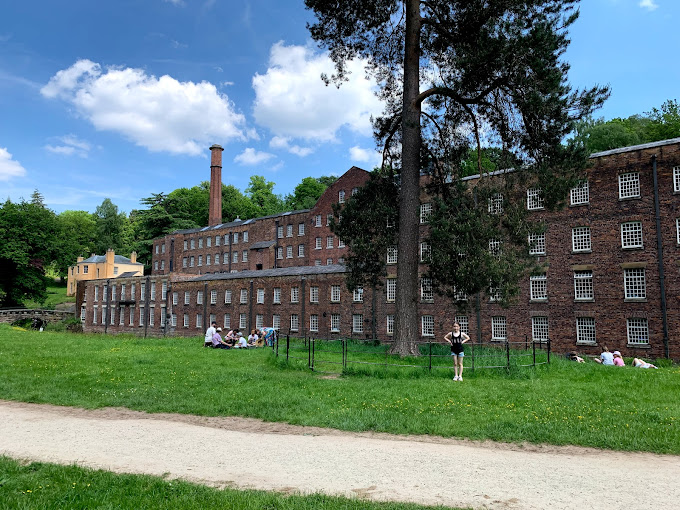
{"x":47,"y":486}
{"x":56,"y":295}
{"x":562,"y":403}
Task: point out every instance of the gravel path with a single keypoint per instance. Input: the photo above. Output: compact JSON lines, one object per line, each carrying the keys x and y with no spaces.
{"x":247,"y":453}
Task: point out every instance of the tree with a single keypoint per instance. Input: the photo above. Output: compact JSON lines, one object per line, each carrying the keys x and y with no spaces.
{"x":493,"y":74}
{"x":261,"y":194}
{"x":306,"y":193}
{"x":76,"y":237}
{"x":110,"y":225}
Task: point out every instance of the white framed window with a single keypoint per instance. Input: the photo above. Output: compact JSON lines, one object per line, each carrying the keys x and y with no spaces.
{"x":314,"y":323}
{"x":341,"y":196}
{"x":279,"y":252}
{"x":317,"y":220}
{"x":175,"y":298}
{"x":218,"y":240}
{"x":638,"y":331}
{"x":294,"y":322}
{"x":464,"y":323}
{"x":132,"y":316}
{"x":227,"y":321}
{"x":289,"y":252}
{"x":212,"y":318}
{"x":217,"y":259}
{"x":242,"y":321}
{"x":583,"y":285}
{"x":244,"y":296}
{"x":494,"y":294}
{"x":186,"y":247}
{"x":115,"y":270}
{"x":537,"y":244}
{"x":289,"y":230}
{"x":199,"y":321}
{"x":234,"y":257}
{"x":535,"y":199}
{"x":329,"y":242}
{"x":494,"y":247}
{"x":539,"y":329}
{"x":539,"y":287}
{"x":335,"y":322}
{"x":425,"y":211}
{"x":226,"y":239}
{"x":279,"y":232}
{"x":235,"y":238}
{"x":425,"y":252}
{"x":155,"y":266}
{"x":427,"y":325}
{"x":200,"y":260}
{"x":200,"y":242}
{"x":186,"y":320}
{"x":677,"y":230}
{"x":277,"y":295}
{"x":121,"y":316}
{"x":193,"y":244}
{"x":173,"y":320}
{"x":317,"y":243}
{"x":245,"y":236}
{"x":157,"y":249}
{"x":495,"y":204}
{"x":260,"y":296}
{"x":392,"y":255}
{"x":295,"y":295}
{"x":391,"y":289}
{"x":634,"y":283}
{"x":358,"y":295}
{"x":122,"y":291}
{"x":580,"y":239}
{"x":164,"y":290}
{"x":199,"y":297}
{"x":208,"y":242}
{"x":96,"y":293}
{"x":631,"y":234}
{"x":184,"y":262}
{"x":389,"y":327}
{"x":426,"y":293}
{"x":259,"y":321}
{"x":357,"y":323}
{"x":329,"y":217}
{"x":227,"y":297}
{"x":192,"y":261}
{"x":499,"y":329}
{"x":213,"y":297}
{"x":676,"y":179}
{"x":314,"y":294}
{"x":580,"y":194}
{"x":301,"y":250}
{"x":335,"y":293}
{"x":187,"y":297}
{"x":244,"y":256}
{"x":629,"y":185}
{"x":301,"y":229}
{"x":329,"y":262}
{"x":341,"y":243}
{"x":276,"y":321}
{"x":585,"y":330}
{"x":112,"y":320}
{"x":317,"y":262}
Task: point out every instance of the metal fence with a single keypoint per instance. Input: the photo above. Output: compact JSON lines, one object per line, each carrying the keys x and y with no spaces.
{"x":347,"y":355}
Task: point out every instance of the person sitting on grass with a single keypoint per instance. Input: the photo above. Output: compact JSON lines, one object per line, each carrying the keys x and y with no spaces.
{"x":207,"y":342}
{"x":217,"y":341}
{"x":618,"y":360}
{"x":241,"y":342}
{"x":606,"y":358}
{"x":232,"y":337}
{"x":637,"y":362}
{"x":253,"y":338}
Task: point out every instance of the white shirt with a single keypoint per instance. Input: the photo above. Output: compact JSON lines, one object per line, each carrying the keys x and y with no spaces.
{"x":209,"y":334}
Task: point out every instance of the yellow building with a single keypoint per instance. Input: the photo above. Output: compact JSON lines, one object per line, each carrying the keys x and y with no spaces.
{"x":102,"y":266}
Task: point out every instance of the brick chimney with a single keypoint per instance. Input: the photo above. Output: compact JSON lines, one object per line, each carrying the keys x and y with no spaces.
{"x":133,"y":257}
{"x":215,"y":211}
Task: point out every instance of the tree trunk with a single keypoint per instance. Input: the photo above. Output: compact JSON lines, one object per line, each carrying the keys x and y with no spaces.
{"x":406,"y":307}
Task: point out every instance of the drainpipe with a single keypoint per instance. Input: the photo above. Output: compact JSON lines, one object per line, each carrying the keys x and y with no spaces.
{"x":250,"y":309}
{"x":659,"y":257}
{"x":303,"y":300}
{"x":374,"y":294}
{"x":147,"y":296}
{"x":205,"y":306}
{"x":172,"y":253}
{"x":109,"y":303}
{"x":276,"y":246}
{"x":168,"y":308}
{"x":479,"y":320}
{"x":231,"y":241}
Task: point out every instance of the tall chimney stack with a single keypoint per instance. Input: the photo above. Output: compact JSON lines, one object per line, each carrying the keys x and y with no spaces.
{"x":215,"y":214}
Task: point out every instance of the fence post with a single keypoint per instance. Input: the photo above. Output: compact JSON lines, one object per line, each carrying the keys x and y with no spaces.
{"x":526,"y":342}
{"x":310,"y":355}
{"x":507,"y":353}
{"x":430,"y":342}
{"x":276,"y":345}
{"x":287,"y":345}
{"x":472,"y":345}
{"x":548,"y":351}
{"x":344,"y":353}
{"x":533,"y":348}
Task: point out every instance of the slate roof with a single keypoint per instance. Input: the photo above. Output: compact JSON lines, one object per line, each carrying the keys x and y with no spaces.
{"x":262,"y":244}
{"x":238,"y":222}
{"x":128,"y":274}
{"x":635,"y":148}
{"x":117,"y":259}
{"x":282,"y":271}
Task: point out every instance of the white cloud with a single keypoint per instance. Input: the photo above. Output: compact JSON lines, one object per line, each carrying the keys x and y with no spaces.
{"x":161,"y":114}
{"x":369,"y":156}
{"x":649,"y":5}
{"x":70,"y":145}
{"x":252,"y":157}
{"x":292,"y":101}
{"x":9,"y":167}
{"x":281,"y":142}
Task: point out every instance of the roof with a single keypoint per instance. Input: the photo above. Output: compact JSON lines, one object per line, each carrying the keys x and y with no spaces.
{"x":237,"y":222}
{"x":632,"y":148}
{"x":117,"y":259}
{"x":282,"y":271}
{"x":262,"y":244}
{"x":128,"y":274}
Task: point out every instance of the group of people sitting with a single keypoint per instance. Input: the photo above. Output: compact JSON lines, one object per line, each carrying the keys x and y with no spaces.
{"x":234,"y":339}
{"x":612,"y":359}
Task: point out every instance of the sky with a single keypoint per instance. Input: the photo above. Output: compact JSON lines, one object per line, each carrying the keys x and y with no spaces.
{"x":121,"y":99}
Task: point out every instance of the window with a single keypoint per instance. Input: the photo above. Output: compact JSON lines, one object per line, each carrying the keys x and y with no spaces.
{"x":317,"y":262}
{"x":122,"y":291}
{"x":289,"y":252}
{"x":207,"y":259}
{"x":425,"y":211}
{"x":535,"y":199}
{"x":276,"y":321}
{"x":193,"y":243}
{"x":314,"y":294}
{"x":113,"y":292}
{"x":539,"y":287}
{"x":341,"y":196}
{"x":335,"y":293}
{"x":199,"y":297}
{"x":83,"y":312}
{"x":328,"y":219}
{"x":464,"y":323}
{"x":191,"y":261}
{"x":186,"y":320}
{"x":208,"y":242}
{"x":629,"y":185}
{"x":427,"y":325}
{"x":245,"y":236}
{"x":244,"y":256}
{"x":301,"y":229}
{"x":200,"y":242}
{"x":244,"y":296}
{"x":496,"y":204}
{"x":634,"y":283}
{"x":317,"y":220}
{"x":329,"y":262}
{"x":213,"y":298}
{"x":260,"y":296}
{"x":358,"y":296}
{"x":242,"y":321}
{"x":227,"y":297}
{"x":317,"y":245}
{"x":391,"y":288}
{"x":289,"y":230}
{"x":175,"y":298}
{"x":115,"y":268}
{"x":585,"y":330}
{"x":294,"y":322}
{"x":133,"y":290}
{"x":185,"y":245}
{"x":142,"y":291}
{"x":355,"y":191}
{"x":132,"y":315}
{"x":85,"y":269}
{"x":235,"y":238}
{"x":227,"y":321}
{"x":539,"y":329}
{"x":389,"y":328}
{"x":141,"y":316}
{"x":638,"y":331}
{"x":184,"y":262}
{"x":212,"y":318}
{"x":279,"y":232}
{"x":329,"y":242}
{"x":677,"y":229}
{"x":631,"y":234}
{"x":425,"y":252}
{"x":392,"y":255}
{"x":162,"y":265}
{"x":226,"y":239}
{"x":499,"y":330}
{"x":301,"y":250}
{"x":218,"y":240}
{"x":341,"y":243}
{"x":494,"y":247}
{"x":173,"y":320}
{"x":335,"y":322}
{"x":314,"y":323}
{"x":357,"y":323}
{"x":234,"y":257}
{"x":583,"y":286}
{"x":259,"y":321}
{"x":277,"y":295}
{"x":580,"y":239}
{"x":187,"y":297}
{"x":157,"y":249}
{"x":295,"y":295}
{"x":96,"y":292}
{"x":537,"y":244}
{"x":164,"y":291}
{"x":279,"y":252}
{"x":494,"y":294}
{"x":152,"y":317}
{"x":200,"y":260}
{"x":426,"y":293}
{"x":580,"y":194}
{"x":153,"y":291}
{"x":217,"y":258}
{"x":113,"y":316}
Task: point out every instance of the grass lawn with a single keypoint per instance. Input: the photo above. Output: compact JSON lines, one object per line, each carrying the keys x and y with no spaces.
{"x":47,"y":486}
{"x":563,"y":403}
{"x":56,"y":294}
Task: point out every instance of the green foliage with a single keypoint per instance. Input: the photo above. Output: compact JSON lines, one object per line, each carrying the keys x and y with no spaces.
{"x":77,"y":231}
{"x":261,"y":194}
{"x":109,"y":228}
{"x":307,"y":193}
{"x":55,"y":295}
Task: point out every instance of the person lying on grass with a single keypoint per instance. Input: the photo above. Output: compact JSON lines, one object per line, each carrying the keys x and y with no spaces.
{"x":637,"y":362}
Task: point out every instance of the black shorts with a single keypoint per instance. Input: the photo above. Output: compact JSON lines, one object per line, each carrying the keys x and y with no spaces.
{"x":457,"y":349}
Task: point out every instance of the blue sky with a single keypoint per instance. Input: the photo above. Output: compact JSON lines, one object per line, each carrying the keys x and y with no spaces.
{"x":122,"y":99}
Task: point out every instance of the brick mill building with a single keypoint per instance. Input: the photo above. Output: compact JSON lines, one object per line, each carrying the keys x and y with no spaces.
{"x":611,"y":258}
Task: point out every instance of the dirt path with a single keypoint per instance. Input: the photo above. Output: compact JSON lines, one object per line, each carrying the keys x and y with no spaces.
{"x":247,"y":453}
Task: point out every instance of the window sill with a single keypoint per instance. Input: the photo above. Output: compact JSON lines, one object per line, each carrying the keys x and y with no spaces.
{"x":632,"y":248}
{"x":545,"y":300}
{"x":585,"y":204}
{"x":574,"y":252}
{"x":635,"y":300}
{"x":585,"y":343}
{"x":592,"y":300}
{"x":639,"y":346}
{"x":625,"y":199}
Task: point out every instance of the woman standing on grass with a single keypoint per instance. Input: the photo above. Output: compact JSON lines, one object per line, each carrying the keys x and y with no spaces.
{"x":457,"y":338}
